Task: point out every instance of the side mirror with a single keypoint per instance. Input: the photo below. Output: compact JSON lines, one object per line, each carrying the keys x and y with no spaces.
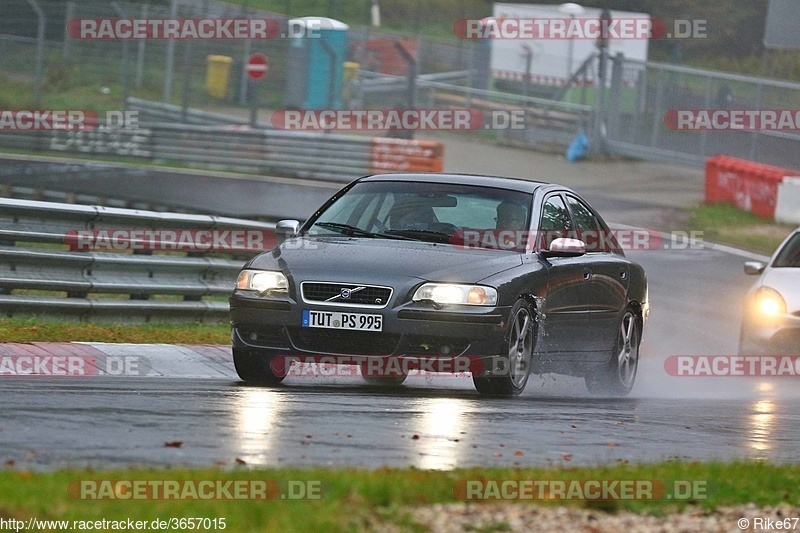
{"x":563,"y":247}
{"x":754,"y":268}
{"x":286,"y":229}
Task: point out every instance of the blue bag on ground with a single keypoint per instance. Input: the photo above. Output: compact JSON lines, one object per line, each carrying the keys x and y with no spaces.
{"x":578,"y":148}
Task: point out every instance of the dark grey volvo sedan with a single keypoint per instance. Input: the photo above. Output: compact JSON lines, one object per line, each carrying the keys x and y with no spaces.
{"x":495,"y":276}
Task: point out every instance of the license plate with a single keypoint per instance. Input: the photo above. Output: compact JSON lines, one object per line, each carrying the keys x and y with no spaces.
{"x":337,"y":320}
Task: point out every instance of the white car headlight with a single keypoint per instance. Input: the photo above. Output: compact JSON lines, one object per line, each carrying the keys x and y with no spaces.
{"x":769,"y":302}
{"x":450,"y":293}
{"x":262,"y":281}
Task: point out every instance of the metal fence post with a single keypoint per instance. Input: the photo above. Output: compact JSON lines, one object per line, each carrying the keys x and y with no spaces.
{"x":243,"y":86}
{"x":67,"y":46}
{"x":412,"y":82}
{"x":140,"y":52}
{"x":37,"y":87}
{"x":187,"y":74}
{"x":599,"y":133}
{"x":613,"y":112}
{"x":173,"y":13}
{"x":526,"y":82}
{"x":707,"y":104}
{"x":756,"y":135}
{"x":125,"y":77}
{"x":656,"y":123}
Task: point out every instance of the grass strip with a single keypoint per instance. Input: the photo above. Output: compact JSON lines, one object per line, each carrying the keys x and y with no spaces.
{"x":357,"y":499}
{"x":38,"y":330}
{"x":727,"y":224}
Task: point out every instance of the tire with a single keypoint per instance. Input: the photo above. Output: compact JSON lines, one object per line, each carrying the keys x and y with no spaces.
{"x":515,"y":364}
{"x":382,"y":381}
{"x":254,"y":368}
{"x":618,"y":377}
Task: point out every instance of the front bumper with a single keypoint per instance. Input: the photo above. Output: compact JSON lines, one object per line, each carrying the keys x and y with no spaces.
{"x":273,"y":327}
{"x":773,"y":335}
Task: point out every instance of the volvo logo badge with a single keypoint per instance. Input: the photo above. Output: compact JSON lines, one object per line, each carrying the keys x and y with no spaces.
{"x":346,"y":293}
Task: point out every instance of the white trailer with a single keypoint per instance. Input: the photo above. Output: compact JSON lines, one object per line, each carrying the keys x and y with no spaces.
{"x":555,"y":58}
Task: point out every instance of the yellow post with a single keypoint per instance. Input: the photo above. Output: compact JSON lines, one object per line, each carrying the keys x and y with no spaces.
{"x":350,"y":76}
{"x":219,"y":68}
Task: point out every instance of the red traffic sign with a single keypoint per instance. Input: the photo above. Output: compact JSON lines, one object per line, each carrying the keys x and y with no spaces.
{"x":257,"y":66}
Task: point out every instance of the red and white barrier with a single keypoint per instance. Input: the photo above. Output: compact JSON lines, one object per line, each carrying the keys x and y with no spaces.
{"x":745,"y":184}
{"x":787,"y":206}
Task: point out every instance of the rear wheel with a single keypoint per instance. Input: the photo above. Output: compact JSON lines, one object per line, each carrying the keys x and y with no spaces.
{"x":618,"y":377}
{"x":513,"y":368}
{"x":255,"y":368}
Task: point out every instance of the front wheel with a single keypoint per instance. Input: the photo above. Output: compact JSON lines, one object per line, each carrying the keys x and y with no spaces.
{"x":255,"y":368}
{"x":514,"y":367}
{"x":618,"y":376}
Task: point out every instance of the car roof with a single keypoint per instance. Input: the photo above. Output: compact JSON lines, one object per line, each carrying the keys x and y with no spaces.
{"x":500,"y":182}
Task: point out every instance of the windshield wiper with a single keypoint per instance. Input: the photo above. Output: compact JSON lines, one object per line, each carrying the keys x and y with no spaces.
{"x":353,"y":231}
{"x":418,"y":233}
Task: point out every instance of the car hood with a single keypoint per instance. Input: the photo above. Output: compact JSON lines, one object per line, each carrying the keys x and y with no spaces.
{"x":377,"y":260}
{"x":786,"y":281}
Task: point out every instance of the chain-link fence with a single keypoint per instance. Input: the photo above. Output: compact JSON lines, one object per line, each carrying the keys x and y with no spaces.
{"x":42,"y":66}
{"x":646,"y":95}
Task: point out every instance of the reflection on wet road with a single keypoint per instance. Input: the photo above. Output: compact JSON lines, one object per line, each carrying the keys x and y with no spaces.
{"x":58,"y":422}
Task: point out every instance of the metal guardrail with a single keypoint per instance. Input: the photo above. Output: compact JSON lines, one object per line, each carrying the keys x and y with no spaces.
{"x":155,"y":112}
{"x":49,"y":195}
{"x":315,"y":155}
{"x":546,"y":120}
{"x":109,"y":286}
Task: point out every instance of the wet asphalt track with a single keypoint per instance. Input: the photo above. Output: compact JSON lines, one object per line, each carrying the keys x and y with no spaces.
{"x":696,"y":295}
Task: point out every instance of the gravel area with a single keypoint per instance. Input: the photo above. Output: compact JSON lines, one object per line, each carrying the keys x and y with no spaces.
{"x":461,"y":517}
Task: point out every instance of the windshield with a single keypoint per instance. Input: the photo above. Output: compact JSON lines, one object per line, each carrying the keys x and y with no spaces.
{"x":431,"y":212}
{"x":790,"y":254}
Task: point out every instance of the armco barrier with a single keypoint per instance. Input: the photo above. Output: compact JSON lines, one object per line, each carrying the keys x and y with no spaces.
{"x":108,"y":285}
{"x":745,"y":184}
{"x":315,"y":155}
{"x":787,"y":208}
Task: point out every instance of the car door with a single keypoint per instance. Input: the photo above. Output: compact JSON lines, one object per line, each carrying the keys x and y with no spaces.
{"x":606,"y":287}
{"x":567,"y":321}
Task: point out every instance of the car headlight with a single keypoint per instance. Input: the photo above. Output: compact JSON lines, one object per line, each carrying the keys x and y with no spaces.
{"x":450,"y":293}
{"x":262,"y":281}
{"x":769,"y":302}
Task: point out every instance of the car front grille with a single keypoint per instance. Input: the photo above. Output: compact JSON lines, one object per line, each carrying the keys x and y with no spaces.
{"x":332,"y":294}
{"x":343,"y":342}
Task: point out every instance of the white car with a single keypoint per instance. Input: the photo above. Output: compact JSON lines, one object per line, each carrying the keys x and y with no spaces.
{"x":771,"y":322}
